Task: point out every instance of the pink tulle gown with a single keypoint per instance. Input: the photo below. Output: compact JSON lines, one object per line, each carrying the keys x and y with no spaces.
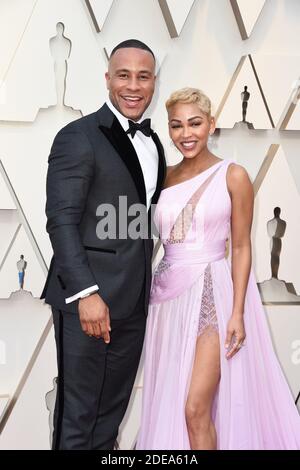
{"x":192,"y":294}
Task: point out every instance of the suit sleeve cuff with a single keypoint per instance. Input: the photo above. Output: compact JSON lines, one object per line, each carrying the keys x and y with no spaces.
{"x":80,"y":294}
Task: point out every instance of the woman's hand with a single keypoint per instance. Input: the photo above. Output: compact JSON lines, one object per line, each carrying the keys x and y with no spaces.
{"x":235,"y":335}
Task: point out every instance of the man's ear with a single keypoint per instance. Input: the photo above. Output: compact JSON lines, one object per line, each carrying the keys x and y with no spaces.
{"x":107,"y":77}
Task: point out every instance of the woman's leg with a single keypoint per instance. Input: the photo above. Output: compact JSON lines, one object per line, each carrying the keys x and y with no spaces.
{"x":204,"y":381}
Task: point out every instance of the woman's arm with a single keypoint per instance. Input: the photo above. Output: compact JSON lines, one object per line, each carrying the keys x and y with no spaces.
{"x":241,"y":192}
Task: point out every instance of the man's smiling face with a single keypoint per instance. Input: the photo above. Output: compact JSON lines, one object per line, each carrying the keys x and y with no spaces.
{"x":131,"y":81}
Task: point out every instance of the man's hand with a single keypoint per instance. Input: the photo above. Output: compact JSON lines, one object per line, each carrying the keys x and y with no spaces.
{"x":94,"y":317}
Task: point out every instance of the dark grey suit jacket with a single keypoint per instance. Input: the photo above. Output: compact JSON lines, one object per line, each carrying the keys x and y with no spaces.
{"x":92,"y":161}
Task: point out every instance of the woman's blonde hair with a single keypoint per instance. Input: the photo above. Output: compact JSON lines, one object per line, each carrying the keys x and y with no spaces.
{"x":190,"y":95}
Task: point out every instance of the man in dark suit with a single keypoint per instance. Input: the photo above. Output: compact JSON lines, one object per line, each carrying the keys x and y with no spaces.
{"x":99,"y":280}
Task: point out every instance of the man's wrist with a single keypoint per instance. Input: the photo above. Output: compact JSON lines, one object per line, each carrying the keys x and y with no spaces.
{"x":84,"y":296}
{"x":79,"y":295}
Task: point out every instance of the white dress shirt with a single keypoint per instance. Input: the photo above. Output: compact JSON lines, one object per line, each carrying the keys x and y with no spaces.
{"x":148,"y":157}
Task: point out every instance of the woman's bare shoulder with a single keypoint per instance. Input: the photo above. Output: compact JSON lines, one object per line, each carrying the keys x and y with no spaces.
{"x":237,"y":173}
{"x":171,"y":172}
{"x":238,"y":178}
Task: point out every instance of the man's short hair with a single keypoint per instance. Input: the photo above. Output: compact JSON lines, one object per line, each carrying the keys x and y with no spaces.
{"x":134,"y":43}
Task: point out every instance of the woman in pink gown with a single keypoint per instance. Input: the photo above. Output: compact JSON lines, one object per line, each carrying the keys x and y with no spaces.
{"x":204,"y":386}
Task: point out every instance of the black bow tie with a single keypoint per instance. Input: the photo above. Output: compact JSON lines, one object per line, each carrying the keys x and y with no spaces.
{"x":144,"y":127}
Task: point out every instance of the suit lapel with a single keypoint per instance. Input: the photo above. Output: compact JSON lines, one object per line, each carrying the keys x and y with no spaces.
{"x":118,"y":138}
{"x":161,"y":167}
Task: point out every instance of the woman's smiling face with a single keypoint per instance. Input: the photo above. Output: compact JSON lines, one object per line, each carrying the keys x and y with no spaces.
{"x":189,"y":128}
